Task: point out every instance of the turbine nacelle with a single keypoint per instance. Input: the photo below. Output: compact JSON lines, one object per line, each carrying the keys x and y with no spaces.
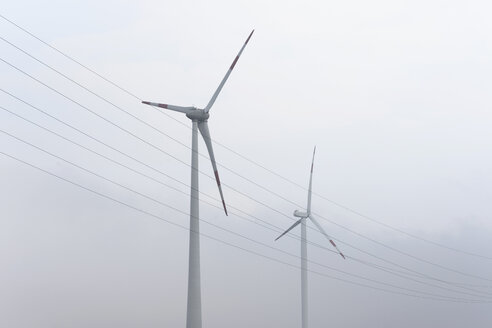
{"x":198,"y":115}
{"x":301,"y":214}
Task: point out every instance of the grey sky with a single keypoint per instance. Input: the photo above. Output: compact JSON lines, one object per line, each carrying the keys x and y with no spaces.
{"x":395,"y":94}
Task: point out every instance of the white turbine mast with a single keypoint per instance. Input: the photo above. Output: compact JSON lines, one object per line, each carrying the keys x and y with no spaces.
{"x":303,"y":216}
{"x":199,"y":118}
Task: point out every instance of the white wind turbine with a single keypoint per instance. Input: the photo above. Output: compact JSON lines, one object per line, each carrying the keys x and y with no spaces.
{"x":302,"y":220}
{"x":199,"y":118}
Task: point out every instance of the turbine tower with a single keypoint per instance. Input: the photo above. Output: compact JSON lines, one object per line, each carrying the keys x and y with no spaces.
{"x":199,"y":118}
{"x":303,"y":216}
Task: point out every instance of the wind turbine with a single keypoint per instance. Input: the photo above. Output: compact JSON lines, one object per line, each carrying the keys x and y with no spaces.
{"x":303,"y":216}
{"x":199,"y":118}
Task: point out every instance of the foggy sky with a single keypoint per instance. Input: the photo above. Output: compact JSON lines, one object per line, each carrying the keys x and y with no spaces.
{"x":394,"y":94}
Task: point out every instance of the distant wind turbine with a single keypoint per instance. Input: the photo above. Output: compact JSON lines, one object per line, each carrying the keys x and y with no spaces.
{"x":303,"y":216}
{"x":199,"y":118}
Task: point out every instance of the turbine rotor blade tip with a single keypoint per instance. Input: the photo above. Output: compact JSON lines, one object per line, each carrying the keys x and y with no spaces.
{"x":156,"y":104}
{"x":334,"y":245}
{"x":249,"y":37}
{"x":221,"y":85}
{"x":225,"y":208}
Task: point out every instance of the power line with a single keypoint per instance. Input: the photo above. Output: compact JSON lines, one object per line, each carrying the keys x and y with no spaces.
{"x":209,"y":176}
{"x":96,"y":95}
{"x":265,"y":225}
{"x":405,"y":253}
{"x":228,"y":148}
{"x":427,"y":295}
{"x":224,"y":184}
{"x":248,"y":159}
{"x":135,"y":136}
{"x":201,"y":219}
{"x":277,"y":229}
{"x":245,"y":178}
{"x":68,"y":57}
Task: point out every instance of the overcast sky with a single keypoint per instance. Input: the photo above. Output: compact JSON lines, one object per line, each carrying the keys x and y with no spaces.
{"x":394,"y":94}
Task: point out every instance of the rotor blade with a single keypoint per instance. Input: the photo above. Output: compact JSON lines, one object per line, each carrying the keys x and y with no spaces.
{"x":180,"y":109}
{"x":214,"y":97}
{"x":310,"y":184}
{"x":291,"y":227}
{"x":320,"y":228}
{"x":203,"y":127}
